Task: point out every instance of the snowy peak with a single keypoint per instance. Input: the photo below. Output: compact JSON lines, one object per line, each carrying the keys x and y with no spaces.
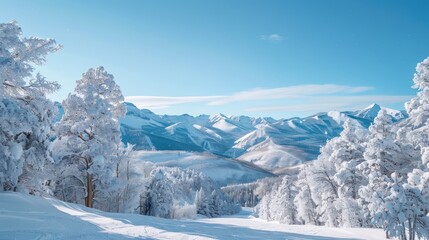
{"x":369,"y":112}
{"x":217,"y":117}
{"x":372,"y":110}
{"x":146,"y":114}
{"x":373,"y":107}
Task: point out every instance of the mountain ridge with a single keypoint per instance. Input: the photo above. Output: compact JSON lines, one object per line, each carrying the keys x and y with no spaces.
{"x":266,"y":142}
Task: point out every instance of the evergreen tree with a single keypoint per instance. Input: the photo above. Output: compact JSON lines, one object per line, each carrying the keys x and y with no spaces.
{"x":305,"y":205}
{"x":89,"y":139}
{"x":26,"y":115}
{"x":279,"y":204}
{"x":323,"y":186}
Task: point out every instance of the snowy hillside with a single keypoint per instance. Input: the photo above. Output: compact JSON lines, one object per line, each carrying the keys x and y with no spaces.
{"x":266,"y":142}
{"x":24,"y":217}
{"x":221,"y":170}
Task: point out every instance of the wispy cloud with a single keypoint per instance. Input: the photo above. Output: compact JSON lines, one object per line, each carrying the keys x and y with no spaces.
{"x":328,"y":103}
{"x":288,"y":93}
{"x":272,"y":37}
{"x":298,"y":98}
{"x":159,"y":102}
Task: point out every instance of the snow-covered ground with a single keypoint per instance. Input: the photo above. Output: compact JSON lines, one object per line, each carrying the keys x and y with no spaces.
{"x":28,"y":217}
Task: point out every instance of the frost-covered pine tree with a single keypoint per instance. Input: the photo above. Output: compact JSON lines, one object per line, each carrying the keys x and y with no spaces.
{"x":182,"y":193}
{"x":384,"y":153}
{"x":415,"y":130}
{"x":202,"y":202}
{"x":283,"y":207}
{"x":334,"y":180}
{"x":26,"y":115}
{"x":395,"y":205}
{"x":347,"y":154}
{"x":396,"y":167}
{"x":279,"y":205}
{"x":323,"y":186}
{"x":161,"y":192}
{"x":406,"y":206}
{"x":249,"y":194}
{"x":263,"y":209}
{"x":417,"y":106}
{"x":89,"y":139}
{"x":417,"y":191}
{"x":305,"y":205}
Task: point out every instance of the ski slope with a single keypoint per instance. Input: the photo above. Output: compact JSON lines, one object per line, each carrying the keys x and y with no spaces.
{"x":24,"y":217}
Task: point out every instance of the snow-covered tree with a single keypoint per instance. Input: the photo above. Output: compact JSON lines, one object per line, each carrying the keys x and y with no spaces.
{"x":119,"y":190}
{"x":347,"y":154}
{"x":305,"y":205}
{"x":249,"y":194}
{"x":334,"y":180}
{"x":89,"y":142}
{"x":263,"y":209}
{"x":279,"y":204}
{"x":405,"y":206}
{"x":415,"y":130}
{"x":374,"y":195}
{"x":393,"y":207}
{"x":160,"y":194}
{"x":384,"y":153}
{"x":202,"y":202}
{"x":286,"y":209}
{"x":183,"y":193}
{"x":323,"y":186}
{"x":417,"y":107}
{"x":26,"y":115}
{"x":396,"y":167}
{"x":417,"y":191}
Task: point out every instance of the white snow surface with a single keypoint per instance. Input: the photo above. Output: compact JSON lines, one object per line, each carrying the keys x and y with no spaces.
{"x":24,"y":217}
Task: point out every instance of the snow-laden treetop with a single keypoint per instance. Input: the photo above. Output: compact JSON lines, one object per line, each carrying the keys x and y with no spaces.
{"x":18,"y":55}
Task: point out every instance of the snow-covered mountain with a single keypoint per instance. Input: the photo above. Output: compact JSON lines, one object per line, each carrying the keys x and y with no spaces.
{"x":266,"y":142}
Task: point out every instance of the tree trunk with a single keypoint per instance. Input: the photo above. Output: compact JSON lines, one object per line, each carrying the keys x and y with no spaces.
{"x":90,"y":191}
{"x":410,"y":229}
{"x":404,"y":234}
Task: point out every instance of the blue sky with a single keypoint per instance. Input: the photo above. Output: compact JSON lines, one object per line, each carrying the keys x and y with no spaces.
{"x":258,"y":58}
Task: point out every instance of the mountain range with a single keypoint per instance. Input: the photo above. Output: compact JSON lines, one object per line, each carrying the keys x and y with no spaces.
{"x":271,"y":144}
